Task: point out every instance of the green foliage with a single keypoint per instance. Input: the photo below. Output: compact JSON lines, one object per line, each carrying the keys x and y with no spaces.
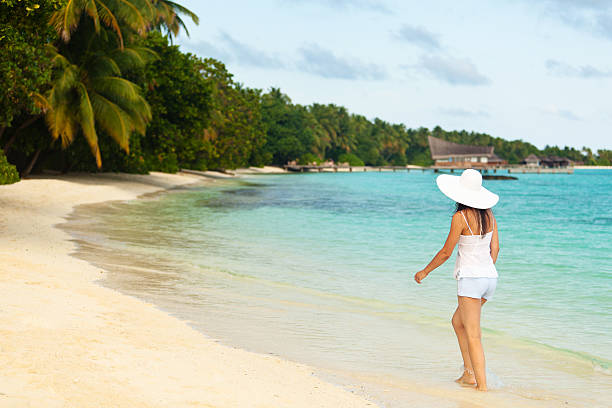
{"x":351,"y":159}
{"x":89,"y":93}
{"x":309,"y":158}
{"x":25,"y":67}
{"x":334,"y":131}
{"x":292,"y":130}
{"x":180,"y":98}
{"x":236,"y":131}
{"x":605,"y":157}
{"x":8,"y":172}
{"x":77,"y":157}
{"x":69,"y":59}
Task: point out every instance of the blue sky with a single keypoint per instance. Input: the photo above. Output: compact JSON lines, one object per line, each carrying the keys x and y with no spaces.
{"x":537,"y":70}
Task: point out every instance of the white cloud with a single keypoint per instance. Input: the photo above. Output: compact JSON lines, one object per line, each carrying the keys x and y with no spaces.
{"x":463,"y":112}
{"x":560,"y":112}
{"x":559,"y":68}
{"x":418,"y":36}
{"x":455,"y":71}
{"x":322,"y":62}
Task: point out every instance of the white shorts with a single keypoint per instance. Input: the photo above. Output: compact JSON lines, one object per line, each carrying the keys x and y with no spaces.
{"x":476,"y":288}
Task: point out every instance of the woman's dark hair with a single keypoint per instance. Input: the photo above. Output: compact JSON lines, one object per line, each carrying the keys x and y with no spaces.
{"x":481,"y":215}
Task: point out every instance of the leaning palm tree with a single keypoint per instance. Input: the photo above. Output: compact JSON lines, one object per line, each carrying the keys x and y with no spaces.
{"x":89,"y":94}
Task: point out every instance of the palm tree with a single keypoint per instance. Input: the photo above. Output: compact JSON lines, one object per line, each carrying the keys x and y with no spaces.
{"x":134,"y":16}
{"x":89,"y":94}
{"x":116,"y":15}
{"x":336,"y":125}
{"x":168,"y":17}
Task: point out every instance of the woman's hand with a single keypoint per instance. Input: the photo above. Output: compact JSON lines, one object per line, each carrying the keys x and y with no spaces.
{"x":419,"y":276}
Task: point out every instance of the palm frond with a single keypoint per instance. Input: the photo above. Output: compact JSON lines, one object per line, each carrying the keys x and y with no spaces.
{"x":147,"y":10}
{"x":41,"y":102}
{"x":103,"y":66}
{"x":183,"y":10}
{"x":182,"y":24}
{"x":115,"y":88}
{"x":168,"y":17}
{"x":65,"y":20}
{"x":61,"y":121}
{"x":139,"y":112}
{"x":87,"y":121}
{"x":66,"y":79}
{"x":109,"y":19}
{"x":133,"y":57}
{"x":129,"y":14}
{"x":113,"y":120}
{"x":92,"y":11}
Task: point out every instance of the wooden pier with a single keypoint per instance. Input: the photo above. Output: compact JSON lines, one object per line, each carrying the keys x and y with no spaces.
{"x":436,"y":169}
{"x":346,"y":169}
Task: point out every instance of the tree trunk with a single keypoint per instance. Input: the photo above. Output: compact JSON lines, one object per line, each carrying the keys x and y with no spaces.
{"x":8,"y":144}
{"x":28,"y":169}
{"x":24,"y":125}
{"x":2,"y":129}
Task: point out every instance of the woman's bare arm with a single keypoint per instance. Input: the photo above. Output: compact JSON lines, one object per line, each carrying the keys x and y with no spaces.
{"x":446,"y":251}
{"x":494,"y":241}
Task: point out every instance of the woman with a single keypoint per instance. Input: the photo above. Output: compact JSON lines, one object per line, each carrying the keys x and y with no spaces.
{"x":475,"y":267}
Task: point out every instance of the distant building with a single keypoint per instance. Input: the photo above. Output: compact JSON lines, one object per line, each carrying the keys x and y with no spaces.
{"x":550,"y":161}
{"x":555,"y":162}
{"x":531,"y":161}
{"x":495,"y":160}
{"x":454,"y":154}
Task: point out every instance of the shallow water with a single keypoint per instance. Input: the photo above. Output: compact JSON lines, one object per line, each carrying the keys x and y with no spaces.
{"x":318,"y":268}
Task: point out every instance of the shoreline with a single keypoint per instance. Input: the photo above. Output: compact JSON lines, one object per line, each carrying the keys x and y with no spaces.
{"x":593,"y":167}
{"x":68,"y":341}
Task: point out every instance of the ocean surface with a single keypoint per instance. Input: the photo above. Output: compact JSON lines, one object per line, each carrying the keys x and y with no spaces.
{"x":318,"y":268}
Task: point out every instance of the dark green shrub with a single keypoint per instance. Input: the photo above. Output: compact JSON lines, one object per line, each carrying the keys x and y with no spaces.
{"x":351,"y":159}
{"x":8,"y":172}
{"x":309,"y":158}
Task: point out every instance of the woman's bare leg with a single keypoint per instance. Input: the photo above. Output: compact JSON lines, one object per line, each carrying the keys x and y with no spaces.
{"x":469,"y":310}
{"x":468,"y":374}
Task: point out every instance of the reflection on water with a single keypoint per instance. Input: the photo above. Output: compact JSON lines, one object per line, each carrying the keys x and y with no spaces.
{"x":318,"y":269}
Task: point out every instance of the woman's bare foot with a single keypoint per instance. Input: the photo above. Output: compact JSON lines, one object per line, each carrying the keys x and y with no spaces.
{"x":467,"y":378}
{"x":484,"y":388}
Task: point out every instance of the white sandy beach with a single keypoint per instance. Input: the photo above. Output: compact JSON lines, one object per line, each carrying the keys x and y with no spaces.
{"x":65,"y":341}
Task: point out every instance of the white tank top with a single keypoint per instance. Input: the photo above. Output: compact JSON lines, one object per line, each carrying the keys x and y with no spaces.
{"x":474,"y":256}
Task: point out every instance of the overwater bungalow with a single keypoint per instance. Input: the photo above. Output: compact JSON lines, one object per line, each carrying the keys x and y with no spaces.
{"x":531,"y":161}
{"x":552,"y":162}
{"x":457,"y":155}
{"x":555,"y":162}
{"x":495,"y":160}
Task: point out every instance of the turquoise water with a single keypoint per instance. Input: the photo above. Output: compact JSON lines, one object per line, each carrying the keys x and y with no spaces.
{"x":319,"y":268}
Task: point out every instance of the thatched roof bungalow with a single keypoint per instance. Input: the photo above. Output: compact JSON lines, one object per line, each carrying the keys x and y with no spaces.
{"x":531,"y":161}
{"x":555,"y":161}
{"x":446,"y":153}
{"x":495,"y":160}
{"x":550,"y":161}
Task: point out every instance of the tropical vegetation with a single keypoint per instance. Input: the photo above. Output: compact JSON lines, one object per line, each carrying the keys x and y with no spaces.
{"x":97,"y":85}
{"x":8,"y":172}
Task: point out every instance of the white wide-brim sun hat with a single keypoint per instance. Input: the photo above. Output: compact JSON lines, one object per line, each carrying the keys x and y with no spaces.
{"x":467,"y":189}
